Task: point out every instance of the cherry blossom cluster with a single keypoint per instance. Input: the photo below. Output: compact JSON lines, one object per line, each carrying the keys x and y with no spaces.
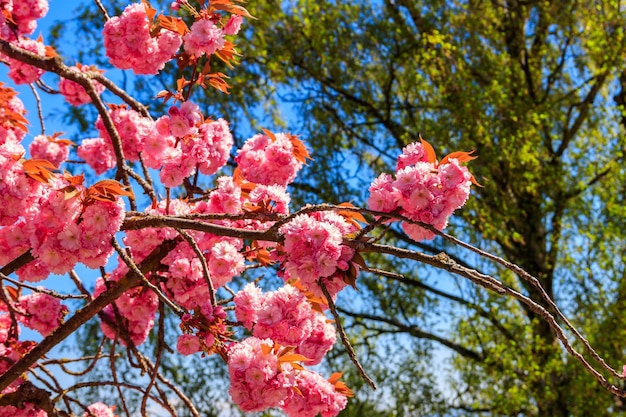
{"x":262,"y":378}
{"x":41,"y":312}
{"x":50,"y":148}
{"x":206,"y":35}
{"x":423,"y":190}
{"x":136,"y":308}
{"x":60,"y":233}
{"x":316,"y":397}
{"x":177,"y":144}
{"x":20,"y":72}
{"x":11,"y":350}
{"x":100,"y":410}
{"x":75,"y":93}
{"x":132,"y":129}
{"x":184,"y":142}
{"x":49,"y":214}
{"x":269,"y":160}
{"x":313,"y":250}
{"x":258,"y":380}
{"x":286,"y":317}
{"x":18,"y":17}
{"x":205,"y":330}
{"x":129,"y":44}
{"x":16,"y":189}
{"x":185,"y":281}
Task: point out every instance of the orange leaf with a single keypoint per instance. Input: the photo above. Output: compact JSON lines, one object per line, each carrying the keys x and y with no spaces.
{"x":292,"y":357}
{"x":342,"y":388}
{"x":299,"y":149}
{"x":351,"y":214}
{"x":50,"y":52}
{"x":246,"y":187}
{"x":430,"y":151}
{"x":150,"y":11}
{"x":263,"y":256}
{"x":460,"y":156}
{"x":219,"y":84}
{"x":266,"y":349}
{"x":173,"y":24}
{"x":269,"y":134}
{"x":13,"y":293}
{"x":473,"y":180}
{"x":228,"y":54}
{"x":336,"y":376}
{"x":227,"y":6}
{"x":238,"y":176}
{"x":39,"y":169}
{"x":69,"y":192}
{"x":108,"y":190}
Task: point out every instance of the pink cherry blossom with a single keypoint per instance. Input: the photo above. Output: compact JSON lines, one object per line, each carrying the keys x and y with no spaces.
{"x":41,"y":312}
{"x":188,"y":344}
{"x":319,"y":397}
{"x":100,"y":410}
{"x":204,"y":38}
{"x":75,"y":93}
{"x":233,"y":25}
{"x":23,"y":13}
{"x":98,"y":154}
{"x":22,"y":73}
{"x":129,"y":45}
{"x":424,"y":191}
{"x":256,"y":380}
{"x":268,"y":161}
{"x":46,"y":147}
{"x":322,"y":338}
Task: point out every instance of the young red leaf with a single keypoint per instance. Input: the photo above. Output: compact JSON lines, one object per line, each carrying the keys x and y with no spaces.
{"x":358,"y":259}
{"x":227,"y":6}
{"x":292,"y":357}
{"x":460,"y":156}
{"x":173,"y":24}
{"x":39,"y":169}
{"x":350,"y":276}
{"x":299,"y":149}
{"x":269,"y":134}
{"x":351,"y":214}
{"x":336,"y":376}
{"x":13,"y":293}
{"x":108,"y":190}
{"x":150,"y":11}
{"x":430,"y":151}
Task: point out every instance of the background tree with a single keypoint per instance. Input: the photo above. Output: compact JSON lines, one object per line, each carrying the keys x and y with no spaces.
{"x":536,"y":88}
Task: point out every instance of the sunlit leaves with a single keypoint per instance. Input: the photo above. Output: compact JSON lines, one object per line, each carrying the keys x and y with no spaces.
{"x":39,"y":170}
{"x":108,"y":190}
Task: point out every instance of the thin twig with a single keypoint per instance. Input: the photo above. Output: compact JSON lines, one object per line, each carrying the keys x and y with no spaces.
{"x":205,"y":269}
{"x":41,"y":289}
{"x":344,"y":337}
{"x":39,"y":110}
{"x":133,"y":266}
{"x":103,"y":10}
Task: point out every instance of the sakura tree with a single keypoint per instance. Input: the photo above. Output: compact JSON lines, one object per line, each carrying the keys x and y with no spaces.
{"x":177,"y":252}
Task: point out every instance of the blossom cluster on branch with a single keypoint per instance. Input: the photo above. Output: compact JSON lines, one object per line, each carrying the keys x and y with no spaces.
{"x":51,"y":220}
